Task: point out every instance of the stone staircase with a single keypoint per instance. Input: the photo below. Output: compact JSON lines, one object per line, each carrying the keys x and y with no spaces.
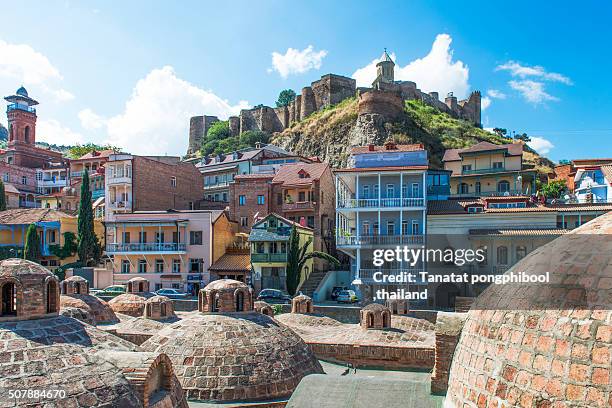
{"x":311,"y":283}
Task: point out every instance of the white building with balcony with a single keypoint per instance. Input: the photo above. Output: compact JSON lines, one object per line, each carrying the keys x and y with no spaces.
{"x":52,"y":179}
{"x":380,"y":204}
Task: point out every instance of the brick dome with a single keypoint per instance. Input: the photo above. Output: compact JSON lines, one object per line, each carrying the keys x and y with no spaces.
{"x":137,"y":285}
{"x":302,"y":304}
{"x":159,"y":308}
{"x":375,"y":316}
{"x":224,"y":296}
{"x":27,"y":291}
{"x":77,"y":313}
{"x":99,"y":310}
{"x":264,"y":308}
{"x":75,"y":285}
{"x":234,"y":356}
{"x":131,"y":304}
{"x":546,"y":345}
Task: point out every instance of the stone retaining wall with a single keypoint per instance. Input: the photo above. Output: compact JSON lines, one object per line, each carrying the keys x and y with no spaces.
{"x":376,"y":355}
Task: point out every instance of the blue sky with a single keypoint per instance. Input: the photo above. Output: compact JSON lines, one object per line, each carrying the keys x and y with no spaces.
{"x":133,"y":72}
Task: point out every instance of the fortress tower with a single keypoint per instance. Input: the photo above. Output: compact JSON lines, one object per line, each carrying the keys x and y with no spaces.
{"x":385,"y":71}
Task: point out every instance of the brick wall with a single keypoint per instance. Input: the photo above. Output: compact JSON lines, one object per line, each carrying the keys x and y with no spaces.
{"x":15,"y":174}
{"x":566,"y":172}
{"x":152,"y":188}
{"x":448,"y":329}
{"x":250,"y":188}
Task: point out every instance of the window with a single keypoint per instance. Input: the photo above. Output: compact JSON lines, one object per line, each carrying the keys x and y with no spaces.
{"x":142,"y":237}
{"x":173,"y":181}
{"x":375,"y":229}
{"x":9,"y":300}
{"x":176,"y":266}
{"x":261,"y":200}
{"x":502,"y":255}
{"x":279,"y":199}
{"x":175,"y":286}
{"x":301,"y":196}
{"x":521,"y":252}
{"x":175,"y":237}
{"x":142,"y":266}
{"x":475,"y":209}
{"x":52,"y":236}
{"x":195,"y":265}
{"x":24,"y":180}
{"x":463,"y":188}
{"x":244,"y":222}
{"x":498,"y":165}
{"x":322,"y":197}
{"x":477,"y":187}
{"x":366,"y":192}
{"x":125,"y":266}
{"x":242,"y":200}
{"x":159,"y":265}
{"x":390,"y":190}
{"x":466,"y":167}
{"x":366,"y":228}
{"x":5,"y":177}
{"x":415,"y":228}
{"x":126,"y":237}
{"x":404,"y":227}
{"x":415,"y":190}
{"x":195,"y":237}
{"x":159,"y":238}
{"x":311,"y":221}
{"x":375,"y":190}
{"x":191,"y":206}
{"x":390,"y":228}
{"x":503,"y":186}
{"x":483,"y":249}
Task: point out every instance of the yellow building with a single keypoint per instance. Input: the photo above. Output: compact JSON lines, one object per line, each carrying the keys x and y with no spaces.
{"x":486,"y":169}
{"x":269,"y":240}
{"x":52,"y":226}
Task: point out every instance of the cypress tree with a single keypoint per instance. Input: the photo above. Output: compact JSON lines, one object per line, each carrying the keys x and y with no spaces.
{"x":31,"y":250}
{"x":2,"y":197}
{"x":88,"y":249}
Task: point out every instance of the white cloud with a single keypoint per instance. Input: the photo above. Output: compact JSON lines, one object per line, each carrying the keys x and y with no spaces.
{"x":297,"y":62}
{"x":540,"y":145}
{"x":485,"y":103}
{"x":22,"y":64}
{"x":155,"y":119}
{"x":494,"y":93}
{"x":532,"y":91}
{"x":523,"y":71}
{"x":90,"y":120}
{"x":52,"y":131}
{"x":434,"y":72}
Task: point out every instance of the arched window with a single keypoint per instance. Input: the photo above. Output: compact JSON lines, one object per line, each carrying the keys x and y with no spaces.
{"x":215,"y":303}
{"x":51,"y":297}
{"x":77,"y":289}
{"x":386,"y":320}
{"x":370,"y":320}
{"x":521,"y":252}
{"x":163,"y":310}
{"x":463,"y":188}
{"x":8,"y":296}
{"x":502,"y":255}
{"x":503,"y":186}
{"x":26,"y":134}
{"x":239,"y":301}
{"x":477,"y":187}
{"x":140,"y":287}
{"x":11,"y":136}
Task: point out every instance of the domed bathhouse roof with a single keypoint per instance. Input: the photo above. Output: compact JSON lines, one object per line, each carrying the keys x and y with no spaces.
{"x":231,"y":353}
{"x":302,"y":304}
{"x":75,"y":295}
{"x":264,"y":308}
{"x":159,"y":308}
{"x":53,"y":352}
{"x":546,"y":344}
{"x":375,"y":316}
{"x":132,"y":303}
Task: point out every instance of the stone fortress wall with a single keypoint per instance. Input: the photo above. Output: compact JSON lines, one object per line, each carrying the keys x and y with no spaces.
{"x":386,"y":98}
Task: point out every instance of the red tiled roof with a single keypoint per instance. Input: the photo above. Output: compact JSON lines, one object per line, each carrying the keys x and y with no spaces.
{"x":232,"y":262}
{"x":9,"y":188}
{"x":99,"y":155}
{"x":514,"y":149}
{"x":607,"y":172}
{"x":289,"y":174}
{"x":378,"y":149}
{"x":20,"y":216}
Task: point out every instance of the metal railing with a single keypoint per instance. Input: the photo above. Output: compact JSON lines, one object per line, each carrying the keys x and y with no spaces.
{"x":20,"y":106}
{"x":303,"y":205}
{"x":268,"y":257}
{"x":364,"y":240}
{"x":95,"y":194}
{"x":147,"y":247}
{"x":509,"y":193}
{"x":215,"y":185}
{"x":382,"y":203}
{"x":120,"y":204}
{"x":484,"y":171}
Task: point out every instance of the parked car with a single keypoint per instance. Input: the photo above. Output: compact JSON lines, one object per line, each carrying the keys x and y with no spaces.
{"x":112,"y":291}
{"x":172,"y":294}
{"x":93,"y":291}
{"x":274,"y":296}
{"x":336,"y":290}
{"x":347,"y":296}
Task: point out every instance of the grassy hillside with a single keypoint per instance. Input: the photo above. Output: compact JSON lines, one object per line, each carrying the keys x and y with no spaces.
{"x":331,"y":133}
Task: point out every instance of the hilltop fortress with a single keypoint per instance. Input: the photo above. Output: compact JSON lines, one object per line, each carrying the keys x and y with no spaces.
{"x":386,"y":97}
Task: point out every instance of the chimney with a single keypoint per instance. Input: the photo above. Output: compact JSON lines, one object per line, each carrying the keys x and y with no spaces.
{"x":371,"y":147}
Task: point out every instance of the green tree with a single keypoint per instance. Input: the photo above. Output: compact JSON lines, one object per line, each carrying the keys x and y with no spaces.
{"x":251,"y":137}
{"x":500,"y":132}
{"x":2,"y":197}
{"x":31,"y":250}
{"x":79,"y":150}
{"x":553,"y":189}
{"x":218,"y":131}
{"x":285,"y":97}
{"x":523,"y":137}
{"x":88,"y":248}
{"x":297,"y":258}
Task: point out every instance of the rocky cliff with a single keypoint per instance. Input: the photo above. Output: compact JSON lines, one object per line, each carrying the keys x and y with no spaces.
{"x":331,"y":132}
